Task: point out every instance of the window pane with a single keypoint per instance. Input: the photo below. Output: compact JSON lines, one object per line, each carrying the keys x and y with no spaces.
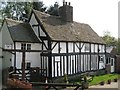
{"x":28,"y":46}
{"x":23,"y":46}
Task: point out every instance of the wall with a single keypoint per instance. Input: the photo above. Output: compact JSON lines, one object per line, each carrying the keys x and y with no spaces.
{"x":40,"y":33}
{"x":33,"y":21}
{"x":6,"y":42}
{"x":0,"y":60}
{"x":77,"y":62}
{"x":7,"y":56}
{"x":117,"y":64}
{"x":32,"y":57}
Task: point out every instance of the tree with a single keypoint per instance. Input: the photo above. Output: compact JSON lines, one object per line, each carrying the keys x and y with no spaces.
{"x":13,"y":10}
{"x":118,"y":46}
{"x":20,"y":10}
{"x":39,"y":6}
{"x":54,"y":10}
{"x":110,"y":41}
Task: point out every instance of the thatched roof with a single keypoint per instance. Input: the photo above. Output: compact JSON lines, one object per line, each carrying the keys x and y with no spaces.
{"x":61,"y":31}
{"x":21,"y":32}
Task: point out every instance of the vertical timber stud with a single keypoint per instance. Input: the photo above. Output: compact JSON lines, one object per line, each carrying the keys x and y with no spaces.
{"x":98,"y":57}
{"x":105,"y":54}
{"x":80,"y":56}
{"x":23,"y":66}
{"x":67,"y":56}
{"x":50,"y":59}
{"x":90,"y":56}
{"x":15,"y":58}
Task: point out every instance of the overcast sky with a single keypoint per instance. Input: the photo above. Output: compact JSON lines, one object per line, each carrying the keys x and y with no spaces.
{"x":101,"y":15}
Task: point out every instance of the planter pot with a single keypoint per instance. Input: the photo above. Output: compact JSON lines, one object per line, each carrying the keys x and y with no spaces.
{"x":115,"y":80}
{"x":102,"y":83}
{"x":109,"y":82}
{"x":85,"y":85}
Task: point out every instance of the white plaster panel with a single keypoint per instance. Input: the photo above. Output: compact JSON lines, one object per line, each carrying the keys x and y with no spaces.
{"x":92,"y":48}
{"x":83,"y":47}
{"x":42,"y":33}
{"x":70,"y":47}
{"x":63,"y":47}
{"x":55,"y":50}
{"x":96,"y":48}
{"x":76,"y":47}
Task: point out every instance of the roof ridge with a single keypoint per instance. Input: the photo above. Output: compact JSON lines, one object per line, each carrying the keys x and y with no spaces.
{"x":10,"y":19}
{"x":42,"y":12}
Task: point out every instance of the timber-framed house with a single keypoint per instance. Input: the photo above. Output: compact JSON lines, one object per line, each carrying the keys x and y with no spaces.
{"x":74,"y":47}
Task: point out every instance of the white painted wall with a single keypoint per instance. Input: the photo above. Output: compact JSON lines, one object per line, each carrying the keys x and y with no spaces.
{"x":77,"y":47}
{"x":55,"y":50}
{"x":33,"y":21}
{"x":94,"y":64}
{"x":6,"y":41}
{"x":63,"y":47}
{"x":33,"y":57}
{"x":70,"y":47}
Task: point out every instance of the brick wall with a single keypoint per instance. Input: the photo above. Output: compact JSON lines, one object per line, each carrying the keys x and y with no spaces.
{"x":117,"y":64}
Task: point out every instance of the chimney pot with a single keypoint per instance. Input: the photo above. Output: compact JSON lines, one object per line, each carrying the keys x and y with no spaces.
{"x":63,"y":3}
{"x":69,"y":3}
{"x":66,"y":3}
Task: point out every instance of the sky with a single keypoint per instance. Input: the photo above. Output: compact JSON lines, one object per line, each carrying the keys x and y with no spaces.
{"x":101,"y":15}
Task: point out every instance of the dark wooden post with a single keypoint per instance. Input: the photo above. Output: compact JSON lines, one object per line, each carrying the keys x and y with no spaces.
{"x":98,"y":57}
{"x":67,"y":57}
{"x":90,"y":56}
{"x":50,"y":59}
{"x":15,"y":58}
{"x":23,"y":66}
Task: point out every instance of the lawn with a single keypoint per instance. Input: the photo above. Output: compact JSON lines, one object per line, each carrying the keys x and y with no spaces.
{"x":97,"y":79}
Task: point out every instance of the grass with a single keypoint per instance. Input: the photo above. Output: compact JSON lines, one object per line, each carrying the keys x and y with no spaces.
{"x":97,"y":79}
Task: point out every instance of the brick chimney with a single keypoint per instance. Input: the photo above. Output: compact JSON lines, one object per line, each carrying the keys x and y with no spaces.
{"x":66,"y":12}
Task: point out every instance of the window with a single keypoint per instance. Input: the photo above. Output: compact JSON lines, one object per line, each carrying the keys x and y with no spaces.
{"x":25,"y":46}
{"x":28,"y":46}
{"x":102,"y":59}
{"x":112,"y":61}
{"x":8,"y":46}
{"x":28,"y":65}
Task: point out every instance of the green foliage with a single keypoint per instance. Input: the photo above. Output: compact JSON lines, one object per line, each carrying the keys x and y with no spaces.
{"x":54,"y":10}
{"x":20,"y":10}
{"x":39,"y":6}
{"x":65,"y":78}
{"x":16,"y":10}
{"x":109,"y":40}
{"x":97,"y":79}
{"x":118,"y":46}
{"x":85,"y":78}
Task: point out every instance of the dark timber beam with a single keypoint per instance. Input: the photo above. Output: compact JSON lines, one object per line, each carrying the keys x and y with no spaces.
{"x":50,"y":60}
{"x":23,"y":66}
{"x":19,"y":50}
{"x":35,"y":25}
